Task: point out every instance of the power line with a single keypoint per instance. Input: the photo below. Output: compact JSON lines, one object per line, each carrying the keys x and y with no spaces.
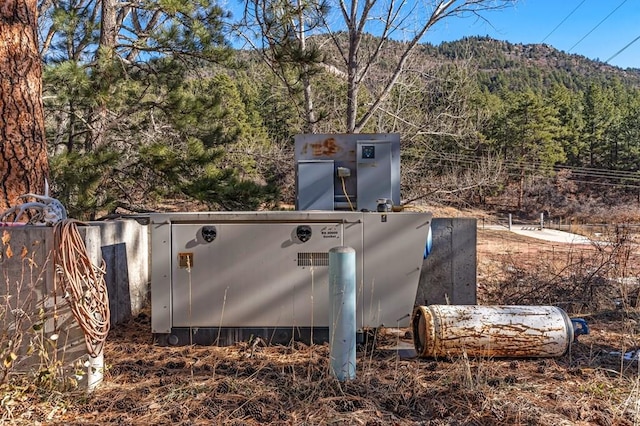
{"x":562,"y":22}
{"x":599,"y":23}
{"x":626,"y":178}
{"x":623,"y":49}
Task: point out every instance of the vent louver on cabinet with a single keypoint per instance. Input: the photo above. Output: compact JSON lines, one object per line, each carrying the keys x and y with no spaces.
{"x":313,"y":259}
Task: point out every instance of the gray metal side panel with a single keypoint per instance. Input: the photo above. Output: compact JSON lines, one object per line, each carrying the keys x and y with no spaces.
{"x":315,"y":185}
{"x":449,"y":272}
{"x":125,"y":249}
{"x":393,"y":259}
{"x":161,"y":274}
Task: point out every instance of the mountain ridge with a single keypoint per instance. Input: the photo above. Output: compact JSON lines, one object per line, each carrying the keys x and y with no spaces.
{"x":499,"y":58}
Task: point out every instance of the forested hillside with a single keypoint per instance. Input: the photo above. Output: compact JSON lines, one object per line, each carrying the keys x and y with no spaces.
{"x":190,"y":120}
{"x":506,"y":66}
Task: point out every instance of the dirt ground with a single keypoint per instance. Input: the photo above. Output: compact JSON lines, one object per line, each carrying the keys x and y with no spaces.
{"x":593,"y":384}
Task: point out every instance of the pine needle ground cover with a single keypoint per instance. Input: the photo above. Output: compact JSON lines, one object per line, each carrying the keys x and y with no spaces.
{"x":597,"y":383}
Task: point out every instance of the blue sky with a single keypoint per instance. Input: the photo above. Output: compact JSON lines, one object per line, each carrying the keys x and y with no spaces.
{"x":597,"y":29}
{"x":532,"y":21}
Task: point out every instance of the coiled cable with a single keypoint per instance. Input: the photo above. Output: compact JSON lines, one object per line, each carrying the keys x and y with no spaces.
{"x":82,"y":283}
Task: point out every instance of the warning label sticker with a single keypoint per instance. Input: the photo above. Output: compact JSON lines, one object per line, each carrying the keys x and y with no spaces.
{"x":330,"y":232}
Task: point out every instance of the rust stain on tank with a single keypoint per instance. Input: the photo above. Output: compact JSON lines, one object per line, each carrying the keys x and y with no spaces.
{"x":490,"y":331}
{"x":327,"y":147}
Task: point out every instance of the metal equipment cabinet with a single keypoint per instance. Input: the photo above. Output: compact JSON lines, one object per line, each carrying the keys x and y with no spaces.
{"x":223,"y":277}
{"x":359,"y":170}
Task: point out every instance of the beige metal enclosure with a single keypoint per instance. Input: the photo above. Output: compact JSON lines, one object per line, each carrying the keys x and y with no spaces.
{"x":222,"y":277}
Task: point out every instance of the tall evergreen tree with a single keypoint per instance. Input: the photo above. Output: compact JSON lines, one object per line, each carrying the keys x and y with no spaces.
{"x":598,"y":116}
{"x":131,"y":78}
{"x":569,"y":105}
{"x":629,"y":156}
{"x":526,"y":133}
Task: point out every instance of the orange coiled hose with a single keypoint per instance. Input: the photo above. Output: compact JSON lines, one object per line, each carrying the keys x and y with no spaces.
{"x":82,"y":283}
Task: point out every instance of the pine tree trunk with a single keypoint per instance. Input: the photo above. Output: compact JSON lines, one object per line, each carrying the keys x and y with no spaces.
{"x":23,"y":153}
{"x":310,"y":114}
{"x":105,"y":58}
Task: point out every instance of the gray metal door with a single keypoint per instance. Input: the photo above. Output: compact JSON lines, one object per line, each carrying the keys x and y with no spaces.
{"x":315,"y":185}
{"x":252,"y":274}
{"x":374,"y":173}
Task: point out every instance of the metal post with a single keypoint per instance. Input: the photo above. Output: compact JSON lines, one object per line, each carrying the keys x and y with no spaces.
{"x":510,"y":221}
{"x":342,"y":301}
{"x":542,"y":220}
{"x":95,"y":371}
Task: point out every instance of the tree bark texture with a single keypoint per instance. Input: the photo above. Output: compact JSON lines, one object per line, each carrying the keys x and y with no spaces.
{"x":105,"y":58}
{"x":23,"y":153}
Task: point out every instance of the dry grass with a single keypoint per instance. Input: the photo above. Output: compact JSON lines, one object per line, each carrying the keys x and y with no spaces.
{"x":582,"y":278}
{"x":146,"y":384}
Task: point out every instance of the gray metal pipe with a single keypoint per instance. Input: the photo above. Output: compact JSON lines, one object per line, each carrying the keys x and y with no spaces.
{"x":342,"y":302}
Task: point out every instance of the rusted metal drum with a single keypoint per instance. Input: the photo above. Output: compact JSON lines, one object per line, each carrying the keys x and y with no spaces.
{"x":491,"y":331}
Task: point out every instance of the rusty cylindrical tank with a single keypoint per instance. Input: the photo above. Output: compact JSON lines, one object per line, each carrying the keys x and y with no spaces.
{"x":492,"y":331}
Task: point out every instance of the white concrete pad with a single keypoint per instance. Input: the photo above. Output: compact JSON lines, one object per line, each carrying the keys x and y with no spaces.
{"x":552,"y":235}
